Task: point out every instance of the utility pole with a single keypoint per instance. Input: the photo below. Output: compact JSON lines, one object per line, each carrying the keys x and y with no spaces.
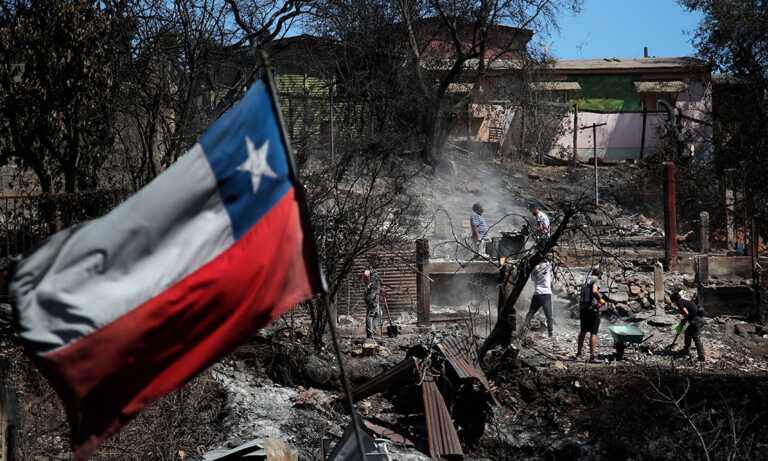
{"x":594,"y":154}
{"x":574,"y":159}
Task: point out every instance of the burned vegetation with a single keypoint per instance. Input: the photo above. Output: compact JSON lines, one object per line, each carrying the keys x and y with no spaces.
{"x":487,"y":254}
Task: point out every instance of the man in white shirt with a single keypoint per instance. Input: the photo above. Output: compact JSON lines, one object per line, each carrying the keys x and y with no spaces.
{"x":542,"y":295}
{"x":541,"y":229}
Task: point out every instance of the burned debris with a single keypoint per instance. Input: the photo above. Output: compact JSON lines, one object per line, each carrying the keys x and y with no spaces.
{"x":456,"y":397}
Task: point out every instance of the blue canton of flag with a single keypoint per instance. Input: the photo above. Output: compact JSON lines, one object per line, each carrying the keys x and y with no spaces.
{"x":246,"y":153}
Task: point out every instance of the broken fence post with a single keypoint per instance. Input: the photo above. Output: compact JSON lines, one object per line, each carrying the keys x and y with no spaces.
{"x":422,"y":283}
{"x":658,"y":288}
{"x":762,"y":295}
{"x":704,"y":232}
{"x":702,"y":269}
{"x":730,"y":209}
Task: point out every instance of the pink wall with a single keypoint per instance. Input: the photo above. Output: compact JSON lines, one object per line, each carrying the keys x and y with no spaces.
{"x":621,"y":136}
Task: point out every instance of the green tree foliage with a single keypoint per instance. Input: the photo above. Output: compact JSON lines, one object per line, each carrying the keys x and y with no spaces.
{"x":57,"y":86}
{"x":733,"y":36}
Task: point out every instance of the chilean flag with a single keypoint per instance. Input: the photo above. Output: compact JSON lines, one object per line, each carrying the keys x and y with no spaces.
{"x":121,"y":310}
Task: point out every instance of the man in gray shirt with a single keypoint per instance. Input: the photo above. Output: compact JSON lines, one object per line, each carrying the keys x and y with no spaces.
{"x":372,"y":291}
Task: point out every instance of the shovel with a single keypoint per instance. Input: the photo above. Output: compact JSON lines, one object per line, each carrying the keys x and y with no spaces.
{"x":678,"y":329}
{"x":392,"y":329}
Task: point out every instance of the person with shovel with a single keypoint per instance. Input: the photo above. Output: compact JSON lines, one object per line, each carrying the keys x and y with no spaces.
{"x":693,"y":315}
{"x":590,"y":303}
{"x":372,"y":292}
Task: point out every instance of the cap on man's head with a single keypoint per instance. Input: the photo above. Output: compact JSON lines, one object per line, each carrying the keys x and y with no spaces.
{"x":532,"y":206}
{"x":597,"y":272}
{"x":477,"y":208}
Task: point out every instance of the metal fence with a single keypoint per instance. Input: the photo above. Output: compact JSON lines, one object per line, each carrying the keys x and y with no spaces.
{"x":27,"y":220}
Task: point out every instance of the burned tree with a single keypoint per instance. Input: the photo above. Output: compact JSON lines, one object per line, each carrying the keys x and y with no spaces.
{"x":57,"y":76}
{"x":469,"y":43}
{"x":356,"y":207}
{"x":516,"y":277}
{"x":731,"y":36}
{"x":428,"y":61}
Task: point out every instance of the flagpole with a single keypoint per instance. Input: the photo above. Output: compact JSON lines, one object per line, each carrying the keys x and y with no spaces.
{"x":294,"y":174}
{"x":293,"y":171}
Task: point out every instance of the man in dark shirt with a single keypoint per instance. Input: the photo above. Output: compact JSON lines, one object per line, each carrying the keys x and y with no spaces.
{"x":590,"y":303}
{"x":693,"y":315}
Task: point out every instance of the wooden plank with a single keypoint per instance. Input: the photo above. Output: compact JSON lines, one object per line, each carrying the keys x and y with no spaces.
{"x":658,"y":287}
{"x":7,"y":414}
{"x":423,"y":303}
{"x":730,"y":267}
{"x":450,"y":267}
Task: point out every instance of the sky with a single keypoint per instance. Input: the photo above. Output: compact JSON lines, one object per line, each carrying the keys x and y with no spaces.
{"x":621,"y":28}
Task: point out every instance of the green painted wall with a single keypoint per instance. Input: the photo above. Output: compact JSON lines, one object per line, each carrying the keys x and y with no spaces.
{"x":607,"y":93}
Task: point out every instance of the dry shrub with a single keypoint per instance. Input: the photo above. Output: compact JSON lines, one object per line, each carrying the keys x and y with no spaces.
{"x":182,"y":424}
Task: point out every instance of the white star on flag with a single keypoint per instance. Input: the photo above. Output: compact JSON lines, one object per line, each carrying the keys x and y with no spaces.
{"x":256,"y":163}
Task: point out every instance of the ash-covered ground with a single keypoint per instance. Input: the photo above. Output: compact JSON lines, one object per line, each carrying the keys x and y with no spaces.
{"x":551,"y":406}
{"x":652,"y":405}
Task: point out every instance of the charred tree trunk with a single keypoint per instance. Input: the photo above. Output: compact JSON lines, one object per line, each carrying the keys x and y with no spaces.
{"x":508,"y":316}
{"x":318,"y":317}
{"x":504,"y":328}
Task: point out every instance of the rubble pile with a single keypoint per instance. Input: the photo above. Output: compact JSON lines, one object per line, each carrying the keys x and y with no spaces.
{"x":442,"y":380}
{"x":631,"y":292}
{"x":261,"y":409}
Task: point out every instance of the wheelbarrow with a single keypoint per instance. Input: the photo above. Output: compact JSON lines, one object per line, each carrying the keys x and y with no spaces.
{"x":624,"y":335}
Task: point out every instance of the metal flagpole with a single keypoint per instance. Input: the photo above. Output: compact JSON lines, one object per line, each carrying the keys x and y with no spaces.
{"x":293,"y":171}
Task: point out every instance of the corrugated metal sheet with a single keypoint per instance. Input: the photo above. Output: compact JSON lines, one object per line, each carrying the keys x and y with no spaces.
{"x":401,"y":373}
{"x":670,"y":86}
{"x":555,"y":86}
{"x":683,"y":64}
{"x":304,"y":85}
{"x":396,"y":266}
{"x":306,"y":105}
{"x":462,"y":356}
{"x":397,"y":269}
{"x":443,"y":439}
